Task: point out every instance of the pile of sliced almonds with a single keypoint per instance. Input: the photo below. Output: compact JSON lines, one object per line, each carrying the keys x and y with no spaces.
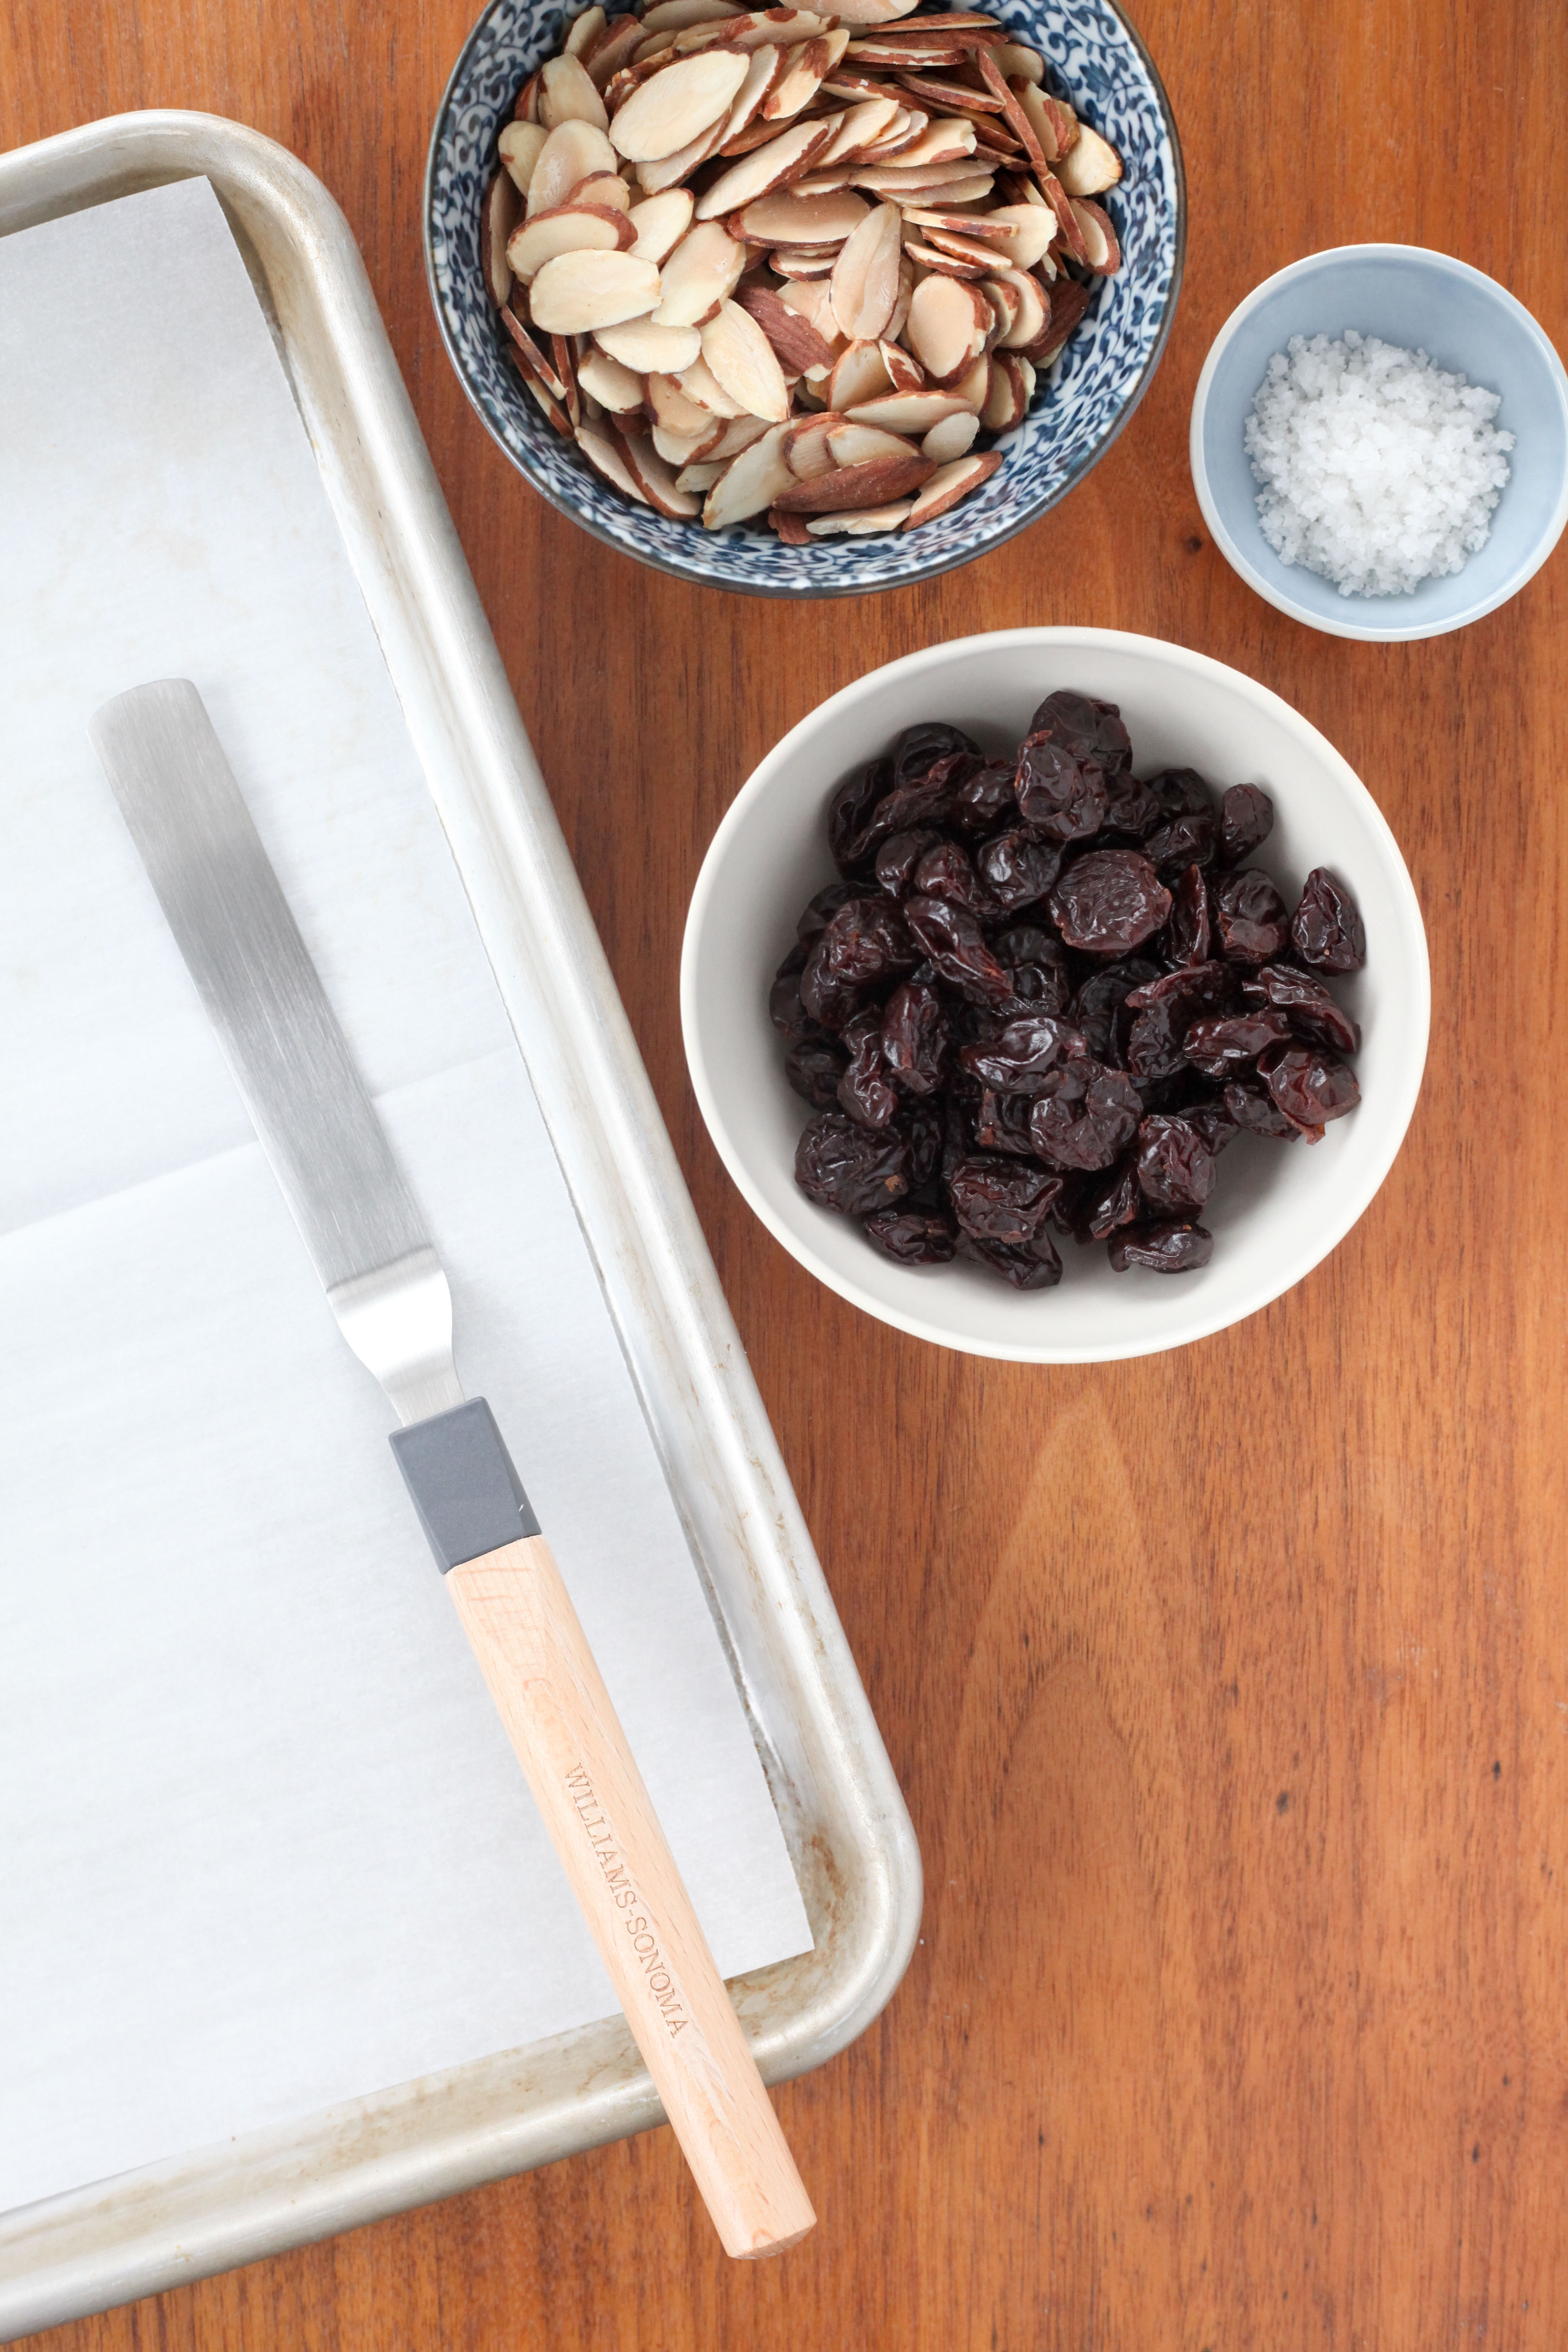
{"x":788,"y":265}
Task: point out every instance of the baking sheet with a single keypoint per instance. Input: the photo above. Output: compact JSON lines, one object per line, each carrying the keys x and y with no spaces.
{"x":265,"y":1845}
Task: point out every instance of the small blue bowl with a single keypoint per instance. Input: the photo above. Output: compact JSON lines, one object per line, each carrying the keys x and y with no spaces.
{"x":1420,"y":301}
{"x":1094,"y":59}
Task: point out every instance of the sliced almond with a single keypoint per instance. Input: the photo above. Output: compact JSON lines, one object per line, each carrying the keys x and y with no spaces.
{"x":806,"y":65}
{"x":648,"y":349}
{"x":529,"y":358}
{"x":813,"y":298}
{"x":939,"y":96}
{"x":572,"y":153}
{"x":527,"y":107}
{"x":1033,"y":312}
{"x":861,"y":525}
{"x":767,"y":67}
{"x":787,"y":218}
{"x":603,"y":188}
{"x":1101,"y":248}
{"x":521,"y":145}
{"x":857,"y":445}
{"x":555,"y":410}
{"x":870,"y":12}
{"x":566,"y":95}
{"x":947,"y":265}
{"x":675,"y":16}
{"x":1006,"y":301}
{"x":563,"y":353}
{"x":1008,"y":394}
{"x":655,"y":480}
{"x":1061,"y":205}
{"x":672,"y":407}
{"x":621,"y":41}
{"x":659,"y":223}
{"x":795,"y":341}
{"x":702,"y":387}
{"x":607,"y":457}
{"x":578,"y":293}
{"x":674,"y":107}
{"x":1018,"y":116}
{"x":1069,"y":302}
{"x":681,"y":449}
{"x":905,"y":373}
{"x":650,"y":49}
{"x":772,"y":28}
{"x":699,"y":275}
{"x":952,"y":438}
{"x":791,"y":527}
{"x":699,"y":475}
{"x":619,"y":389}
{"x":738,"y":433}
{"x":917,"y":182}
{"x":903,"y":52}
{"x":993,"y":137}
{"x":949,"y":325}
{"x":858,"y":129}
{"x":572,"y":228}
{"x":901,"y":318}
{"x":498,"y":219}
{"x":1023,"y":231}
{"x":806,"y":448}
{"x":1019,"y":62}
{"x":1090,"y":165}
{"x":865,"y":283}
{"x":949,"y":141}
{"x":745,"y":364}
{"x":756,"y":133}
{"x":862,"y":372}
{"x":773,"y":167}
{"x":975,"y":190}
{"x":582,"y":33}
{"x":671,"y":171}
{"x":910,"y":413}
{"x":802,"y":261}
{"x":871,"y":485}
{"x":951,"y":483}
{"x":974,"y":387}
{"x":750,"y":484}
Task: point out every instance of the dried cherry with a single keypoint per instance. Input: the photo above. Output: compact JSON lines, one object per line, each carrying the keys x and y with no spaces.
{"x":915,"y":1037}
{"x":1085,"y":1114}
{"x":1326,"y":929}
{"x":1311,"y":1012}
{"x":855,"y":1170}
{"x":863,"y":1089}
{"x":1016,"y":1061}
{"x":954,"y":940}
{"x":1246,"y":821}
{"x":1175,"y":1166}
{"x":910,"y":1236}
{"x":1110,"y":902}
{"x":1163,"y":1249}
{"x":1223,"y":1048}
{"x":1249,"y":916}
{"x":1309,"y":1086}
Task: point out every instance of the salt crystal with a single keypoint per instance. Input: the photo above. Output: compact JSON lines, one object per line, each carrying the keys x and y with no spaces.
{"x":1380,"y":470}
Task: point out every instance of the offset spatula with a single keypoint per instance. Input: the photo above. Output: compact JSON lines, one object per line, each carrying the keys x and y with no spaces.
{"x":385,"y":1283}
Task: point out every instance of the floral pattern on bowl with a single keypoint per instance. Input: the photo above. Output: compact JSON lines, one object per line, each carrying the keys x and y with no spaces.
{"x":1093,"y":59}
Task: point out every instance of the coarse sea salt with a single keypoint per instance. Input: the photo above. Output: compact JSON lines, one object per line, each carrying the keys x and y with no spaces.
{"x":1380,"y":470}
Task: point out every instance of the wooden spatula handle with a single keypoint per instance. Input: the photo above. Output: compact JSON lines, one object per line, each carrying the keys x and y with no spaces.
{"x":552,"y":1698}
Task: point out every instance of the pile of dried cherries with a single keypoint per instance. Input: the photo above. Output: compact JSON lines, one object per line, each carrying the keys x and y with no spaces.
{"x":1045,"y":995}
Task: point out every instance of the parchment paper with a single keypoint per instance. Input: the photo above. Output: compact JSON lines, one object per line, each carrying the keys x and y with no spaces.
{"x":263,"y":1845}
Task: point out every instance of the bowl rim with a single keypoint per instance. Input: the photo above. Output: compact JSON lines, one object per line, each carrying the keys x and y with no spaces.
{"x":674,"y":567}
{"x":1367,"y":632}
{"x":1198,"y":1323}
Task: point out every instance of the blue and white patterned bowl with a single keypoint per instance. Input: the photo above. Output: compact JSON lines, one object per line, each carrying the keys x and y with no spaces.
{"x":1094,"y":59}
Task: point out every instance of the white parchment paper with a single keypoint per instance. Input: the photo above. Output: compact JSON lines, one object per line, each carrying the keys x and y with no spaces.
{"x":263,"y":1845}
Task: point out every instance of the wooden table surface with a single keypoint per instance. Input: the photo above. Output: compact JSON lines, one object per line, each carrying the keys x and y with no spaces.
{"x":1228,"y":1690}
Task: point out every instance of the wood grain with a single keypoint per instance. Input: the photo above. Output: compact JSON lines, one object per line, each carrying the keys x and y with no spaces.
{"x":1230,"y":1690}
{"x":559,"y":1716}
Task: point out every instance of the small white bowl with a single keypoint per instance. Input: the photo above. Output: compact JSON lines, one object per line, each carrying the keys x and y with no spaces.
{"x":1417,"y":301}
{"x":1277,"y":1210}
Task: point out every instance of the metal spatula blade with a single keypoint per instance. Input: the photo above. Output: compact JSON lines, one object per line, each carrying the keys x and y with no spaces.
{"x":287,"y":1057}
